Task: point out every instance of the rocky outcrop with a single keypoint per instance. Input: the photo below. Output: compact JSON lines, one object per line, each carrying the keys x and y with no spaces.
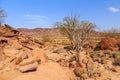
{"x":8,"y":31}
{"x":108,"y":44}
{"x":19,"y":51}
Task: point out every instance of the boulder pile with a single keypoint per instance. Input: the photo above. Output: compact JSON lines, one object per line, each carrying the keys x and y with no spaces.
{"x":18,"y":51}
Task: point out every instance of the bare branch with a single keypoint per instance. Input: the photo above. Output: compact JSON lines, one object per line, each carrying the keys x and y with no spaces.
{"x":77,"y":32}
{"x":3,"y":15}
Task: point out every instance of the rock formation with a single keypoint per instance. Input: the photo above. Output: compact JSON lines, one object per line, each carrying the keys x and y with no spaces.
{"x":19,"y":51}
{"x":108,"y":44}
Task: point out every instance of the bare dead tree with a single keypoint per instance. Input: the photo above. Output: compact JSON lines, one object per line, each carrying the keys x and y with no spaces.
{"x":77,"y":32}
{"x":3,"y":15}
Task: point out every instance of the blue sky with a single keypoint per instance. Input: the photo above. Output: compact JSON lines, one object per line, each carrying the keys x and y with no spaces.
{"x":43,"y":13}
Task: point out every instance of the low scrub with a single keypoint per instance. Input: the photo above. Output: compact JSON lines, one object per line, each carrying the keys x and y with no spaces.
{"x":107,"y":54}
{"x":46,"y":38}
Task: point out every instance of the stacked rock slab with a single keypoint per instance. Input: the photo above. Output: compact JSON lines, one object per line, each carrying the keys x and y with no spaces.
{"x":15,"y":49}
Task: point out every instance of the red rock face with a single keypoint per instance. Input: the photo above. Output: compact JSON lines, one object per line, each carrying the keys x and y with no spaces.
{"x":108,"y":44}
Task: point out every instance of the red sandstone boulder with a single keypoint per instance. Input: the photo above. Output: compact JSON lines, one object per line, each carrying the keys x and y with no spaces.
{"x":28,"y":67}
{"x":29,"y":61}
{"x":108,"y":44}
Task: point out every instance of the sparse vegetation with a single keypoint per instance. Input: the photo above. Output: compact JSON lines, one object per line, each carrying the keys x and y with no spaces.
{"x":46,"y":38}
{"x":96,"y":54}
{"x":77,"y":32}
{"x":112,"y":33}
{"x":117,"y":61}
{"x":101,"y":56}
{"x":71,"y":49}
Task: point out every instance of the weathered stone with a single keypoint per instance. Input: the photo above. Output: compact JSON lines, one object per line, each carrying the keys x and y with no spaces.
{"x":28,"y":67}
{"x":29,"y":61}
{"x":107,"y":44}
{"x":9,"y":31}
{"x":40,"y":54}
{"x":10,"y":51}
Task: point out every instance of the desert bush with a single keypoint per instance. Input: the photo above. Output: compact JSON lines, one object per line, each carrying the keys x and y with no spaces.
{"x":65,"y":42}
{"x":117,"y":61}
{"x":96,"y":54}
{"x":117,"y":58}
{"x":115,"y":55}
{"x":46,"y":38}
{"x":78,"y":32}
{"x":111,"y":54}
{"x":61,"y":41}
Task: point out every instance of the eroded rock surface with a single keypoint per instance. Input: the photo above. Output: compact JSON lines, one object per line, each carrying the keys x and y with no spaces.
{"x":49,"y":71}
{"x":108,"y":44}
{"x":19,"y":51}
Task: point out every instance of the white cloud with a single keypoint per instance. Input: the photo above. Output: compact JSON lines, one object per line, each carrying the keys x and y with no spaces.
{"x":40,"y":16}
{"x":40,"y":21}
{"x":35,"y":18}
{"x":113,"y":9}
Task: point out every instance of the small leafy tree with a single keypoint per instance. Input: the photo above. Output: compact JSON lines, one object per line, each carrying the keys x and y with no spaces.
{"x":77,"y":32}
{"x":3,"y":15}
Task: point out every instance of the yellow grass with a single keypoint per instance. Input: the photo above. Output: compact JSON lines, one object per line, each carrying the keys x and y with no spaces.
{"x":63,"y":40}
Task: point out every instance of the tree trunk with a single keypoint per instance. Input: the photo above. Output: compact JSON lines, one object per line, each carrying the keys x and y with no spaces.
{"x":78,"y":55}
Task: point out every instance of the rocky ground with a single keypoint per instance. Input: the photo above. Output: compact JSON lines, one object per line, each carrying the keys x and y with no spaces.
{"x":22,"y":58}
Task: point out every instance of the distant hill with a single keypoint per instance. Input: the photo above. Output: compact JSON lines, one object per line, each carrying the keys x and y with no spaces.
{"x":52,"y":32}
{"x":37,"y":32}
